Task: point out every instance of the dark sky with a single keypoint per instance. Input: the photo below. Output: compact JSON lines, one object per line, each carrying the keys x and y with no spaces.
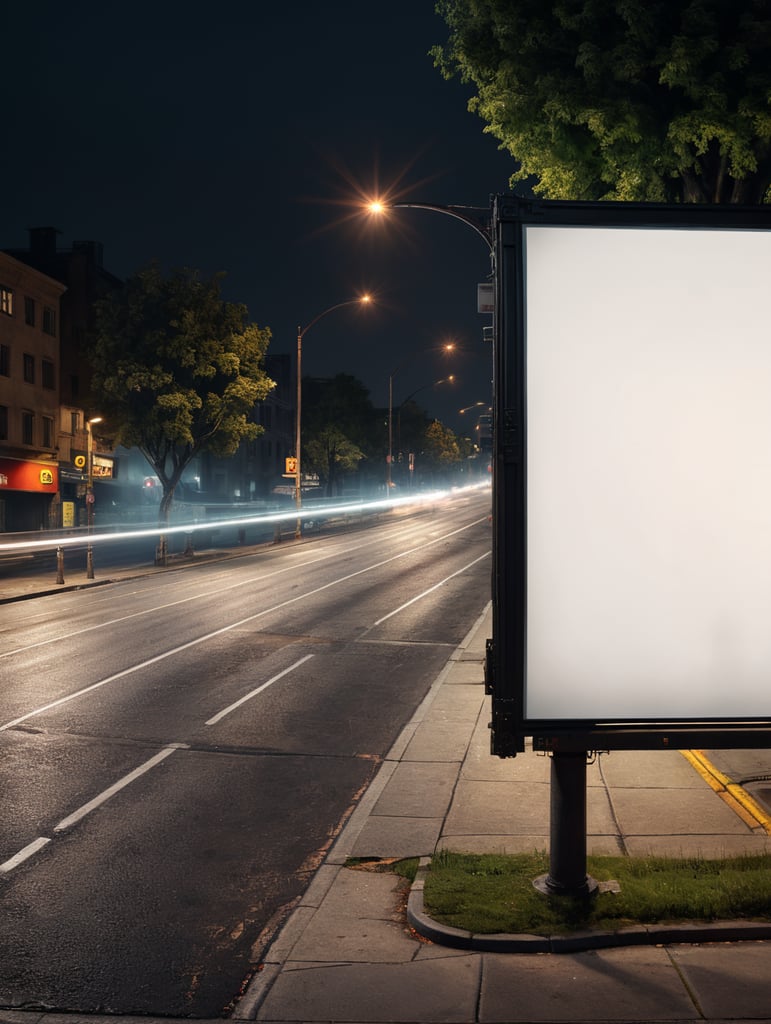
{"x":238,"y":137}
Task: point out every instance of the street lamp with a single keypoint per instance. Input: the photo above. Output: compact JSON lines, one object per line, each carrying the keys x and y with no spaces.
{"x":361,"y":300}
{"x":90,"y":494}
{"x":473,"y":405}
{"x":448,"y":347}
{"x":432,"y":384}
{"x":477,"y":217}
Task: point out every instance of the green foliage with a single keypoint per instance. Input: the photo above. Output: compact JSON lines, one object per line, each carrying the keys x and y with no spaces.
{"x":487,"y":893}
{"x":330,"y":454}
{"x":441,"y":448}
{"x":176,"y":371}
{"x":339,"y":428}
{"x":637,"y":100}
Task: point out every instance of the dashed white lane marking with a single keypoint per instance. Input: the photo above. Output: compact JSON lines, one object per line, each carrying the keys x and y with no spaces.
{"x":253,"y":693}
{"x":22,"y":855}
{"x":116,"y":787}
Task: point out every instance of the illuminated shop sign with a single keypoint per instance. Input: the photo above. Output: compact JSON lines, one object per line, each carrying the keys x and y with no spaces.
{"x":21,"y":475}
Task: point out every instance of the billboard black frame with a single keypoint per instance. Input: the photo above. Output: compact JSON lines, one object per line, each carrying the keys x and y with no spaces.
{"x":506,"y":654}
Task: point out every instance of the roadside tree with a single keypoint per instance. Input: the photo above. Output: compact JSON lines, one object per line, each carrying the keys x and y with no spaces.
{"x":636,"y":100}
{"x":176,"y":371}
{"x":339,"y":429}
{"x":441,"y":451}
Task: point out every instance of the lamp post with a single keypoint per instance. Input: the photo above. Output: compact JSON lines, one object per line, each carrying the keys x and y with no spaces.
{"x":477,"y":217}
{"x":90,"y":494}
{"x":448,"y":347}
{"x":432,"y":384}
{"x":362,"y":300}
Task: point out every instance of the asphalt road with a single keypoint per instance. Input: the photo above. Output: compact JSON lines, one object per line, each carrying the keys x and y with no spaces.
{"x":178,"y":751}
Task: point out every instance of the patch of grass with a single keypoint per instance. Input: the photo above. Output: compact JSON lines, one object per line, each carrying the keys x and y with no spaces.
{"x":491,"y":893}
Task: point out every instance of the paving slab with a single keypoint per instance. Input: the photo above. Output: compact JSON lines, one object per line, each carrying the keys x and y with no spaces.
{"x":420,"y":789}
{"x":439,"y":741}
{"x":395,"y":836}
{"x":728,"y":980}
{"x":675,"y":812}
{"x":650,"y":769}
{"x":437,"y":991}
{"x":361,"y":921}
{"x":629,"y":984}
{"x":512,"y":807}
{"x":696,"y":845}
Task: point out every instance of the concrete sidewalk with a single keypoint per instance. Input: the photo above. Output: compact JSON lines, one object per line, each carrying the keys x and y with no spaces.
{"x":348,"y":953}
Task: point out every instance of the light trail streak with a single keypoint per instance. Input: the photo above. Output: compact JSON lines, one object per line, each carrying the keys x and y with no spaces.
{"x":350,"y":508}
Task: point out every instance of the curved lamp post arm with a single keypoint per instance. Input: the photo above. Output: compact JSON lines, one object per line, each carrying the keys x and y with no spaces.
{"x":301,"y":332}
{"x":477,"y":217}
{"x":433,"y":384}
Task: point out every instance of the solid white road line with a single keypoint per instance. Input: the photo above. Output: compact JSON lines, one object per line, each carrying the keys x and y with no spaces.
{"x":226,"y":711}
{"x":76,"y":816}
{"x":21,"y":856}
{"x":430,"y":590}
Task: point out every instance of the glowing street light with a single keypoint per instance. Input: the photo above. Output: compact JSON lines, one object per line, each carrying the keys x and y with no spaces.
{"x":476,"y":217}
{"x":361,"y":300}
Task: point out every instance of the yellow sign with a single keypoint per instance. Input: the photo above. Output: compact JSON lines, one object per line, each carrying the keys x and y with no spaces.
{"x":46,"y":476}
{"x":291,"y":465}
{"x":68,"y":513}
{"x":80,"y":461}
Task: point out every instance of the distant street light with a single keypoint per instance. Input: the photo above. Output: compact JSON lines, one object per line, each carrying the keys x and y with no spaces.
{"x":474,"y":405}
{"x":90,"y":494}
{"x":361,"y":300}
{"x":423,"y":387}
{"x":448,"y":347}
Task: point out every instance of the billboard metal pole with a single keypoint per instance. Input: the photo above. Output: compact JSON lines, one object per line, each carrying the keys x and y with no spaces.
{"x":567,"y":839}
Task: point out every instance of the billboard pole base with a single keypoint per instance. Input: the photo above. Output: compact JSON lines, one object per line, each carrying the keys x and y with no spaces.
{"x":567,"y":850}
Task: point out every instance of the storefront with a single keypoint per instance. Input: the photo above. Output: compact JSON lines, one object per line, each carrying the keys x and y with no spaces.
{"x":29,"y":493}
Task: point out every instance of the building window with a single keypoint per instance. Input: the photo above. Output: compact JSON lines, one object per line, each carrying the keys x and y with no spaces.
{"x":29,"y":368}
{"x":74,"y":422}
{"x":6,"y":300}
{"x":5,"y":361}
{"x":3,"y":422}
{"x":48,"y":371}
{"x":27,"y":426}
{"x":29,"y":311}
{"x":49,"y":320}
{"x":48,"y":432}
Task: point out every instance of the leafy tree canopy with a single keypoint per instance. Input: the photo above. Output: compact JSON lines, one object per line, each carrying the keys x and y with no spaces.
{"x":332,"y":455}
{"x":177,"y":371}
{"x":339,"y":428}
{"x":637,"y":100}
{"x":342,"y":401}
{"x":441,"y":448}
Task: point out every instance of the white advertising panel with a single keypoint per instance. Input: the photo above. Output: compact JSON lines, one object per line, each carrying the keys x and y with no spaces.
{"x":648,"y":391}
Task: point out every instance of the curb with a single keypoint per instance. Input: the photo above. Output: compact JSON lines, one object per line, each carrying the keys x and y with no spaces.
{"x":734,"y":794}
{"x":636,"y":935}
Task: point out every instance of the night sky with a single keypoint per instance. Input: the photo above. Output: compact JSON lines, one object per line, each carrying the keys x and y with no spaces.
{"x":240,"y":137}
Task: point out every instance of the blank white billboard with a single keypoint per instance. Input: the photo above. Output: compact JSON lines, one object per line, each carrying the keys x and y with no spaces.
{"x":648,"y":391}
